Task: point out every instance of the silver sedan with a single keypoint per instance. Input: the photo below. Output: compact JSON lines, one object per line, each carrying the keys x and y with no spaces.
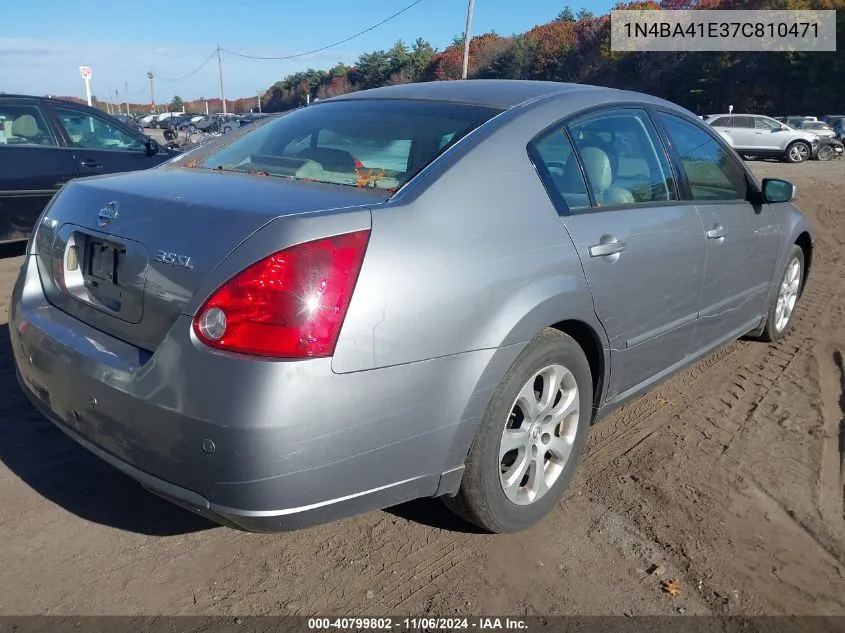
{"x":429,"y":290}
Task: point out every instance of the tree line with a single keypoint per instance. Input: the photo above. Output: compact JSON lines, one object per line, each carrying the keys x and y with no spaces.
{"x":575,"y":47}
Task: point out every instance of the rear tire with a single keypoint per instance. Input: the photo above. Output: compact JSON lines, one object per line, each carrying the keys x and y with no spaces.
{"x":797,"y":152}
{"x":779,"y":316}
{"x":509,"y":488}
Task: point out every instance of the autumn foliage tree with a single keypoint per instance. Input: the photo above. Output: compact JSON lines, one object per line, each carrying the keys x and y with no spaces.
{"x":575,"y":47}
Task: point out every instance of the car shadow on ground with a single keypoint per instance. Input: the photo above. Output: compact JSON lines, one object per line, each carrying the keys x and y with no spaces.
{"x":433,"y":513}
{"x":68,"y":475}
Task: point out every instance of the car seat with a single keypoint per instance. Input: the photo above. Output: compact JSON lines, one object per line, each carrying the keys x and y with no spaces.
{"x":598,"y":167}
{"x":26,"y":127}
{"x":330,"y":159}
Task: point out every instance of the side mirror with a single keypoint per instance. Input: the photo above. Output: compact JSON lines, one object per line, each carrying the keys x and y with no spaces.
{"x":151,"y":146}
{"x":776,"y":190}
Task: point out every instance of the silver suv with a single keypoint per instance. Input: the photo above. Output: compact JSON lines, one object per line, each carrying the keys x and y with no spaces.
{"x":758,"y":135}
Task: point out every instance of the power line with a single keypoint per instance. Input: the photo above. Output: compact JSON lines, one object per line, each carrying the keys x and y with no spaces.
{"x":324,"y":48}
{"x":195,"y":71}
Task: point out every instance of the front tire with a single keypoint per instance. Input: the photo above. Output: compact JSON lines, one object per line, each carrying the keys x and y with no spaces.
{"x":797,"y":152}
{"x":530,"y":439}
{"x":779,"y":316}
{"x":825,"y":153}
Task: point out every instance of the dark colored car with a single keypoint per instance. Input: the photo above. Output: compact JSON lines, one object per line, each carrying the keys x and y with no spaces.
{"x":46,"y":142}
{"x":129,"y":121}
{"x":829,"y":149}
{"x":216,"y":123}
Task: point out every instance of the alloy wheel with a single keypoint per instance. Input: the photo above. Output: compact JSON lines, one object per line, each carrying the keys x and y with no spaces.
{"x":788,"y":294}
{"x":799,"y":152}
{"x":539,"y":434}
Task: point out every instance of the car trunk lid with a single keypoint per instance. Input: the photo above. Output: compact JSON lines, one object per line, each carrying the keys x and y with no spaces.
{"x":128,"y":252}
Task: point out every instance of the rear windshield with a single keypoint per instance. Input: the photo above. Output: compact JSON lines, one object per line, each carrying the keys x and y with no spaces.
{"x":366,"y":143}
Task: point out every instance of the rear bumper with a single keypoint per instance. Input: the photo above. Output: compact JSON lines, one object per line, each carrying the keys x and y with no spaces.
{"x":254,"y":444}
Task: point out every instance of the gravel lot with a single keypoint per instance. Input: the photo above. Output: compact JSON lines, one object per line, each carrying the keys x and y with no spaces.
{"x":726,"y":477}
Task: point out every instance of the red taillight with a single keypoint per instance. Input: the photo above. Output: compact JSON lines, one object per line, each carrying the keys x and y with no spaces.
{"x":358,"y":163}
{"x":288,"y":305}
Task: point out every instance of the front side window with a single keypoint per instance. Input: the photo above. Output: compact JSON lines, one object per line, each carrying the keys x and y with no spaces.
{"x":91,"y":132}
{"x":360,"y":143}
{"x":762,"y":123}
{"x":712,"y":172}
{"x":24,"y":125}
{"x":722,"y":121}
{"x":623,"y":158}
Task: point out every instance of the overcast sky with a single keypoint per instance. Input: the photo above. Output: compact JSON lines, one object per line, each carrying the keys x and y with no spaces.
{"x":41,"y":54}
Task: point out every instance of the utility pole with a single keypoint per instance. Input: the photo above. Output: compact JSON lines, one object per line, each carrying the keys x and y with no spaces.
{"x":152,"y":91}
{"x":126,"y":95}
{"x":108,"y":100}
{"x":117,"y":100}
{"x":259,"y":101}
{"x":467,"y":38}
{"x":220,"y":68}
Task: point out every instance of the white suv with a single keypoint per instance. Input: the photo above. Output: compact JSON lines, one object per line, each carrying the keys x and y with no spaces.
{"x":758,"y":135}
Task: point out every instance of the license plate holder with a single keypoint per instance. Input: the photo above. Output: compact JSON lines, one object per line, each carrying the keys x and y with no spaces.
{"x":103,"y":261}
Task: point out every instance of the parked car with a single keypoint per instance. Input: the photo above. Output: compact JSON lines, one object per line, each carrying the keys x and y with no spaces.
{"x":829,"y":149}
{"x":217,"y":123}
{"x":148,"y":121}
{"x":793,"y":121}
{"x":46,"y":142}
{"x":838,"y":127}
{"x":758,"y":135}
{"x":248,"y":119}
{"x":822,"y":130}
{"x":162,"y":118}
{"x":130,"y":122}
{"x":273,"y":337}
{"x":188,"y":122}
{"x":176,"y":122}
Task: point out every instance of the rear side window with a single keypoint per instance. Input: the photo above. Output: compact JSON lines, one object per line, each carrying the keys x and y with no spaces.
{"x":712,"y":172}
{"x":722,"y":121}
{"x":25,"y":125}
{"x":361,"y":143}
{"x":559,"y":169}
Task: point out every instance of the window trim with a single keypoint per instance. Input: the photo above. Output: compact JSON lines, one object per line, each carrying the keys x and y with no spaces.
{"x":563,"y":123}
{"x":753,"y":194}
{"x":54,"y":107}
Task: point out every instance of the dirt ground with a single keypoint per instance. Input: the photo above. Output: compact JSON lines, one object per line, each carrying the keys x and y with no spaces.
{"x":726,"y":477}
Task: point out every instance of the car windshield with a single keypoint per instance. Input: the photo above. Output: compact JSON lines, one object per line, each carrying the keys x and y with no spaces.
{"x":366,"y":143}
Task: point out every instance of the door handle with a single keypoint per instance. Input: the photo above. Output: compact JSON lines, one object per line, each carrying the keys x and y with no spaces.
{"x":717,"y":232}
{"x":607,"y":248}
{"x":90,"y":162}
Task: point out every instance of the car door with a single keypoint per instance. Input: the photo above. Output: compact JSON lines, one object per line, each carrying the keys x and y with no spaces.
{"x":771,"y":135}
{"x":100,"y":145}
{"x":743,"y":134}
{"x":641,"y":249}
{"x":742,"y":237}
{"x":32,"y":166}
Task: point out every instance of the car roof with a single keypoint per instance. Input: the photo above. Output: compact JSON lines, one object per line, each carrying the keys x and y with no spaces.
{"x":710,"y":116}
{"x":497,"y":93}
{"x":41,"y":98}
